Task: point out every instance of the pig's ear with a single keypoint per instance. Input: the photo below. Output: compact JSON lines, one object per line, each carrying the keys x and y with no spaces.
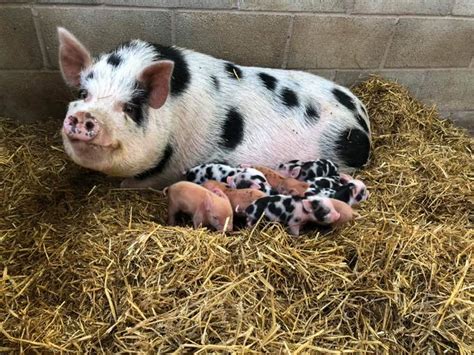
{"x":156,"y":78}
{"x":295,"y":172}
{"x":73,"y":57}
{"x":230,"y":182}
{"x":307,"y":206}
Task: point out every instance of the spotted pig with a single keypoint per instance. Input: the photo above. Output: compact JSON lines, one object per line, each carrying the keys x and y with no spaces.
{"x":148,"y":112}
{"x":292,"y":211}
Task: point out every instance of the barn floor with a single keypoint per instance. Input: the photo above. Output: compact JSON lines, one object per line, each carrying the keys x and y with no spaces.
{"x":87,"y":267}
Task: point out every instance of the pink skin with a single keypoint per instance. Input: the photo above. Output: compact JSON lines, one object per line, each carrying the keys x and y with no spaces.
{"x":81,"y":126}
{"x":284,"y":185}
{"x":206,"y":208}
{"x":240,"y":199}
{"x":345,"y":211}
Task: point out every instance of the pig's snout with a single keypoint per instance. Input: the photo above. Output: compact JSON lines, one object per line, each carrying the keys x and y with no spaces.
{"x":81,"y":126}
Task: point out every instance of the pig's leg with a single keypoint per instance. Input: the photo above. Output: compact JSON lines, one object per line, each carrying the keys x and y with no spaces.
{"x":198,"y":219}
{"x":172,"y":211}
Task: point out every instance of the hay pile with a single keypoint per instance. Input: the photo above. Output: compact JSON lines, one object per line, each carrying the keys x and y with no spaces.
{"x":87,"y":267}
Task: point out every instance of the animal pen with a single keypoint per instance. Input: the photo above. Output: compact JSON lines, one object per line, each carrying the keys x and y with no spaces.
{"x":90,"y":267}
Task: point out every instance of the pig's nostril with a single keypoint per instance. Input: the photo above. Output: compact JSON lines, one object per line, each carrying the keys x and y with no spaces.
{"x":89,"y":125}
{"x":73,"y":120}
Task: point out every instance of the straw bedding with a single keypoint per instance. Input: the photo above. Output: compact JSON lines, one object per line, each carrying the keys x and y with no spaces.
{"x":91,"y":268}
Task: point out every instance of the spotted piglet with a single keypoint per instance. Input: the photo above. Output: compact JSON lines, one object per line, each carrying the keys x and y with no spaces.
{"x":211,"y":171}
{"x":251,"y":178}
{"x":293,"y":211}
{"x":309,"y":170}
{"x":207,"y":208}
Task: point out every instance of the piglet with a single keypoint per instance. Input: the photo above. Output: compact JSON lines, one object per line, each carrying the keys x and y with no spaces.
{"x":207,"y":208}
{"x":293,"y":211}
{"x":240,"y":199}
{"x":284,"y":185}
{"x":308,"y":170}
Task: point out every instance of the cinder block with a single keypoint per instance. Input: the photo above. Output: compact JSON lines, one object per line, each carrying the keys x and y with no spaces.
{"x":246,"y":39}
{"x":18,"y":40}
{"x":464,"y":119}
{"x":102,"y":29}
{"x":403,"y":7}
{"x":201,"y":4}
{"x":296,"y":5}
{"x":411,"y":79}
{"x":33,"y":96}
{"x":339,"y":42}
{"x":464,"y":8}
{"x":422,"y":42}
{"x":449,"y":90}
{"x":325,"y":73}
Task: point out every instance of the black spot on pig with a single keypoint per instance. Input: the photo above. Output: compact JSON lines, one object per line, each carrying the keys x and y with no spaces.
{"x":90,"y":76}
{"x":233,"y":71}
{"x":209,"y":174}
{"x":289,"y":97}
{"x":344,"y":99}
{"x":137,"y":108}
{"x":114,"y":59}
{"x":215,"y":81}
{"x":362,"y":122}
{"x":319,"y":211}
{"x":268,"y":80}
{"x":312,"y":115}
{"x":258,"y":177}
{"x":277,"y":211}
{"x":353,"y":147}
{"x":289,"y":207}
{"x":160,"y":166}
{"x":233,"y":129}
{"x":190,"y":176}
{"x":181,"y":76}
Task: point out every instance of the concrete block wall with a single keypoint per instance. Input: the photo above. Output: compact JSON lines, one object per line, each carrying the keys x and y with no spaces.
{"x":427,"y":45}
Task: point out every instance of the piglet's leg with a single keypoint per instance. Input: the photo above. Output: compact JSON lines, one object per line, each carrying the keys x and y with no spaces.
{"x":198,"y":219}
{"x":172,"y":216}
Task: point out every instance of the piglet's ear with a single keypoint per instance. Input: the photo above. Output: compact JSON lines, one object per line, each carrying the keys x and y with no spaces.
{"x":156,"y":78}
{"x":307,"y":206}
{"x":230,"y":182}
{"x":295,"y":172}
{"x":73,"y":57}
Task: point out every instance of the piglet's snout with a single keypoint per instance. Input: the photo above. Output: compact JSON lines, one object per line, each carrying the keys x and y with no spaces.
{"x":81,"y":126}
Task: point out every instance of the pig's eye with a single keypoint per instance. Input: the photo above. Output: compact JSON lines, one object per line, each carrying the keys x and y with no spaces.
{"x":128,"y":109}
{"x":83,"y":94}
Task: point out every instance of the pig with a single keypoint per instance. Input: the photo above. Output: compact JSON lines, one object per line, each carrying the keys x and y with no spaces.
{"x":148,"y":112}
{"x":284,"y":185}
{"x":206,"y":208}
{"x":240,"y":199}
{"x":250,"y":178}
{"x":309,"y":170}
{"x":293,"y":211}
{"x":352,"y":192}
{"x":210,"y":171}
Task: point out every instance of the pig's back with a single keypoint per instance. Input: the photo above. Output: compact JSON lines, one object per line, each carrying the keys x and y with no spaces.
{"x":266,"y":116}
